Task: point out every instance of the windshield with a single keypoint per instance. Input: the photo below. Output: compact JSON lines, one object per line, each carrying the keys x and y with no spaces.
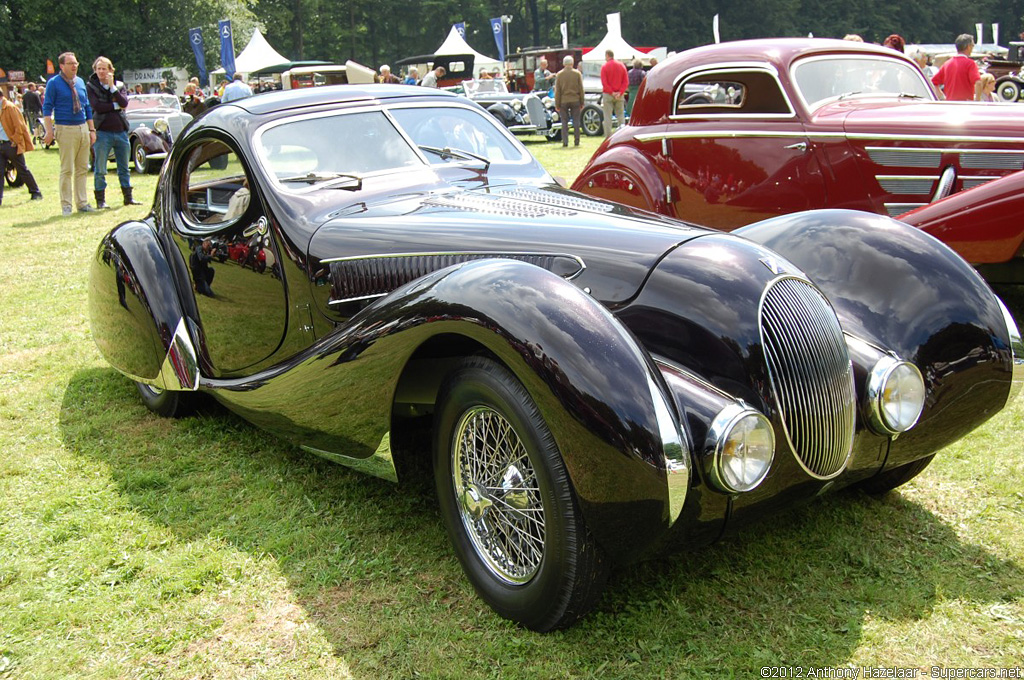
{"x":471,"y":87}
{"x":152,"y":101}
{"x":819,"y":80}
{"x":329,"y":146}
{"x":457,"y":128}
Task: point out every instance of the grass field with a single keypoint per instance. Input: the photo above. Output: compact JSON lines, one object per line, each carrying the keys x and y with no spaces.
{"x":137,"y":547}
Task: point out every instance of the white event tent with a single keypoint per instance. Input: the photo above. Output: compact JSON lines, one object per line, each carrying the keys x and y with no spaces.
{"x":456,"y":44}
{"x":257,"y":55}
{"x":613,"y":41}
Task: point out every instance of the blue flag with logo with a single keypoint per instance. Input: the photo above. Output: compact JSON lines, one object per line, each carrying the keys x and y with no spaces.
{"x":499,"y":36}
{"x":227,"y":48}
{"x":195,"y":38}
{"x":461,"y":28}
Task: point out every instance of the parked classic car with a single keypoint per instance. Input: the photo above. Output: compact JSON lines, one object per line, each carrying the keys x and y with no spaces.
{"x":522,"y":114}
{"x":597,"y":383}
{"x":983,"y":224}
{"x":729,"y":134}
{"x":154,"y":122}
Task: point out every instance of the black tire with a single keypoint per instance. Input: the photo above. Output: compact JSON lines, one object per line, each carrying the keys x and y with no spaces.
{"x":140,"y":158}
{"x":165,"y":402}
{"x":890,"y":479}
{"x":515,"y":524}
{"x":592,"y":120}
{"x":13,"y":177}
{"x":1008,"y":90}
{"x":554,"y":133}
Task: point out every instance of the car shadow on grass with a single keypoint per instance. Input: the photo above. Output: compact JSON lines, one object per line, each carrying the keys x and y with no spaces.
{"x":370,"y":564}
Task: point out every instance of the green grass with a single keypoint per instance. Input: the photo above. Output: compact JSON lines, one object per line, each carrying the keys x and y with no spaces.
{"x":137,"y":547}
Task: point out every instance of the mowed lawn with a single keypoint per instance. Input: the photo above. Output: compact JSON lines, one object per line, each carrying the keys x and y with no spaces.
{"x":137,"y":547}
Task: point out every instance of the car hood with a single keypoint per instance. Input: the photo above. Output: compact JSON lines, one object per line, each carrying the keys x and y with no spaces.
{"x":604,"y":248}
{"x":912,"y":119}
{"x":152,"y":113}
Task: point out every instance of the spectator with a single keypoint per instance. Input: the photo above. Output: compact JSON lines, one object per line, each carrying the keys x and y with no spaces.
{"x":959,"y":78}
{"x":197,"y":89}
{"x":636,"y":76}
{"x":235,"y":90}
{"x":614,"y":83}
{"x":430,"y":80}
{"x":484,"y":75}
{"x":387,"y":77}
{"x":165,"y":88}
{"x":413,"y":78}
{"x":924,"y":61}
{"x":569,"y":99}
{"x":987,"y":89}
{"x":67,"y":116}
{"x":542,"y":77}
{"x":138,"y":89}
{"x":15,"y":140}
{"x":895,"y":42}
{"x":109,"y":99}
{"x":33,"y":107}
{"x":853,"y":37}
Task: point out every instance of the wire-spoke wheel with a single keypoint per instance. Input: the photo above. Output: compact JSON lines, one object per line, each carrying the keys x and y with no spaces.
{"x":508,"y":503}
{"x":498,"y":495}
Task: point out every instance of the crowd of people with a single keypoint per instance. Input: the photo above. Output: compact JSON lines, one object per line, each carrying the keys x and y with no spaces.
{"x":82,"y":115}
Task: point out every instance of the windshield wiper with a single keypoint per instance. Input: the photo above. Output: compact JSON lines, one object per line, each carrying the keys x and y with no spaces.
{"x":908,"y":95}
{"x":317,"y":177}
{"x":449,"y":152}
{"x":847,"y":94}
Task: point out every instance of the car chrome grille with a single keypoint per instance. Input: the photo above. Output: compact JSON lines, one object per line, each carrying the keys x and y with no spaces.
{"x":811,"y":375}
{"x":364,"y":278}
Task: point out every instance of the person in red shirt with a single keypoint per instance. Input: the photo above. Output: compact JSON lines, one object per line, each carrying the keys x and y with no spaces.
{"x":959,"y":78}
{"x":614,"y":83}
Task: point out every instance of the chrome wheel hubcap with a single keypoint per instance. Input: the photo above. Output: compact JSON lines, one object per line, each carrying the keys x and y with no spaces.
{"x":498,"y":495}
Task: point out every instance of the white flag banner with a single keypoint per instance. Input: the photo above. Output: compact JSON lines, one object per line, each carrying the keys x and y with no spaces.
{"x":995,"y":34}
{"x":615,"y":23}
{"x":565,"y":36}
{"x":714,"y":28}
{"x":978,"y":28}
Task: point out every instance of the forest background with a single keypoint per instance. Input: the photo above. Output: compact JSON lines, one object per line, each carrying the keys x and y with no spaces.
{"x":153,"y":33}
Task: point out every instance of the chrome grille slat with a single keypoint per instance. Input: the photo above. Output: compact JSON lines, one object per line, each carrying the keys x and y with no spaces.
{"x":991,"y":160}
{"x":810,"y":374}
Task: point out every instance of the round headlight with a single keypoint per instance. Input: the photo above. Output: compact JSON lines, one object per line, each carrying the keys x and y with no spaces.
{"x":742,"y":442}
{"x":161,"y":125}
{"x":895,"y":396}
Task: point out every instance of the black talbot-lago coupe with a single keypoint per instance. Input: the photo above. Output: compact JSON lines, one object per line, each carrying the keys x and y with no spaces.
{"x":376,"y":272}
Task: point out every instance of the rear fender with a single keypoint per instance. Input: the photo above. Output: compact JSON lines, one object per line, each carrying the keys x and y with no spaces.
{"x":625,"y":175}
{"x":136,"y":317}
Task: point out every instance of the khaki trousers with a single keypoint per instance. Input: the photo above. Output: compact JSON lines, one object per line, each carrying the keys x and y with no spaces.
{"x":73,"y":143}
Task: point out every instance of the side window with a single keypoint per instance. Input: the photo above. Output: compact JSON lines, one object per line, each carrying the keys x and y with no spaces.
{"x":215,"y":186}
{"x":745,"y":92}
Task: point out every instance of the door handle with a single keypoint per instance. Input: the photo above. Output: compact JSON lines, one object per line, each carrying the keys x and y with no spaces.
{"x":799,"y":146}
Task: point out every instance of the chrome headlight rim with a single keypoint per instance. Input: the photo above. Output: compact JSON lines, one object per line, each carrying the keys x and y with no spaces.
{"x":161,"y":125}
{"x":1016,"y":353}
{"x":877,"y":379}
{"x":722,"y":427}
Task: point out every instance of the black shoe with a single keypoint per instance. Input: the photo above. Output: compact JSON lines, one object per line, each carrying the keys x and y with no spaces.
{"x":101,"y":198}
{"x":38,"y":196}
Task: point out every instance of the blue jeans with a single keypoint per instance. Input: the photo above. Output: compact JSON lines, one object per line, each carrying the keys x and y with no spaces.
{"x":105,"y":141}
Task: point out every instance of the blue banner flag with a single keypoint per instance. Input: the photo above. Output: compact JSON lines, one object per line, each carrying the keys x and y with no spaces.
{"x":461,"y":28}
{"x":195,"y":38}
{"x":499,"y":36}
{"x":227,"y":48}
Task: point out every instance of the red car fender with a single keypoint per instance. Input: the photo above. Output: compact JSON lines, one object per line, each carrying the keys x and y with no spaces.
{"x":625,"y":175}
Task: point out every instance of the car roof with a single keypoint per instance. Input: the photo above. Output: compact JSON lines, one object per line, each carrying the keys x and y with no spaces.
{"x":281,"y":100}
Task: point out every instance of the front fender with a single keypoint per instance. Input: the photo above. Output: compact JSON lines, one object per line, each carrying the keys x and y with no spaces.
{"x":594,"y":386}
{"x":136,"y":316}
{"x":150,"y":140}
{"x":625,"y":175}
{"x":908,"y":293}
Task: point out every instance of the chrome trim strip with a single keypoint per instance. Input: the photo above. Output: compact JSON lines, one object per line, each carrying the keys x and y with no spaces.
{"x":1016,"y":353}
{"x":726,"y":68}
{"x":180,"y":369}
{"x":919,"y":149}
{"x":907,"y":184}
{"x":946,"y":183}
{"x":380,"y":464}
{"x":676,"y":450}
{"x":731,"y":134}
{"x":937,"y":138}
{"x":894,"y":209}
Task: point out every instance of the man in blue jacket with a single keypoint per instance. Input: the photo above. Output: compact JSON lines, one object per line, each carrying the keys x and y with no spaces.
{"x":67,"y":102}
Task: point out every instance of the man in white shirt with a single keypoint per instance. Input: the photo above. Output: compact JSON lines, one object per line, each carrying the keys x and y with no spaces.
{"x":236,"y":89}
